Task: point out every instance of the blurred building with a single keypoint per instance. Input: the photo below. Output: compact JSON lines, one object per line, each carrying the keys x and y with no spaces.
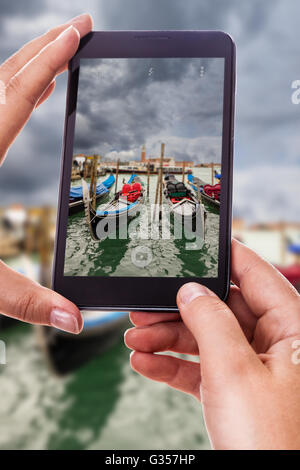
{"x":27,"y":240}
{"x":270,"y":240}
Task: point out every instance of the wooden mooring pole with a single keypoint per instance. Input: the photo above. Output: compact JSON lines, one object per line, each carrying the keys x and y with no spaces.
{"x":117,"y":175}
{"x":92,"y":179}
{"x":199,"y":193}
{"x":93,"y":185}
{"x":159,"y":181}
{"x":85,"y":168}
{"x":156,"y":193}
{"x":162,"y":152}
{"x":183,"y":171}
{"x":148,"y":179}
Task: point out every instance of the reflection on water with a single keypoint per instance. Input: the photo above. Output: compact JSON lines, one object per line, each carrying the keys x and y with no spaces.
{"x":103,"y":405}
{"x":149,"y":415}
{"x":31,"y":398}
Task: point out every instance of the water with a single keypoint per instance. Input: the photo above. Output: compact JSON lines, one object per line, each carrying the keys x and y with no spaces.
{"x":103,"y":405}
{"x":186,"y":256}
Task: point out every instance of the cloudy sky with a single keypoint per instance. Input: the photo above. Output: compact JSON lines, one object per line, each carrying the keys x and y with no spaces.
{"x":267,"y":135}
{"x":125,"y":103}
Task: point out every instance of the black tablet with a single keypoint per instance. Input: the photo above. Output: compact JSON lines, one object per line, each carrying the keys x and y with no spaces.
{"x":146,"y":176}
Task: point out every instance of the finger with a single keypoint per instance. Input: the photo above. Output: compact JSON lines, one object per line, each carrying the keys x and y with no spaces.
{"x":17,"y":61}
{"x":223,"y":348}
{"x":46,"y":94}
{"x":144,"y":318}
{"x":169,"y":336}
{"x":242,"y":312}
{"x":172,"y":336}
{"x":26,"y":300}
{"x":177,"y":373}
{"x":268,"y":294}
{"x":235,"y":302}
{"x":27,"y":86}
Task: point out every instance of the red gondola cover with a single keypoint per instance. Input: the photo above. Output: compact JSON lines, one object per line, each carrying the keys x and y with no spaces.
{"x":131,"y":192}
{"x":212,"y":191}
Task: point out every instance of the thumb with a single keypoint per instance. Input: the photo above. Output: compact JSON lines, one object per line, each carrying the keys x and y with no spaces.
{"x":224,"y":350}
{"x":26,"y":300}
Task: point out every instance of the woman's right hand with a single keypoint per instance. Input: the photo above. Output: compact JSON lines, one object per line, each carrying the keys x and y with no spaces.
{"x":248,"y":380}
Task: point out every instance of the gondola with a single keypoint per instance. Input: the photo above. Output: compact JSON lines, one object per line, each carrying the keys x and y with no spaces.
{"x":76,"y":197}
{"x":194,"y":182}
{"x":184,"y":206}
{"x":126,"y":204}
{"x":65,"y":352}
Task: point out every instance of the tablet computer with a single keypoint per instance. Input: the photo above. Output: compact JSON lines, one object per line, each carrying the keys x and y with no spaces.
{"x":146,"y":175}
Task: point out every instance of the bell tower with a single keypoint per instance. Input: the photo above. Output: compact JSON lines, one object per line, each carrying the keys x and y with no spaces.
{"x":143,"y":154}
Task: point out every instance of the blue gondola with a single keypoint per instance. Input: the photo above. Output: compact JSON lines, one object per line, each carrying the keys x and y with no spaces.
{"x":119,"y":211}
{"x":76,"y":195}
{"x":66,"y":352}
{"x":194,"y":181}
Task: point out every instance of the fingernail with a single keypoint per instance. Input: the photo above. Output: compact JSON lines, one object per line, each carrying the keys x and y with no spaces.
{"x":132,"y":354}
{"x":125,"y":334}
{"x":191,"y":291}
{"x":127,"y":331}
{"x":125,"y":338}
{"x":65,"y":32}
{"x":64,"y":321}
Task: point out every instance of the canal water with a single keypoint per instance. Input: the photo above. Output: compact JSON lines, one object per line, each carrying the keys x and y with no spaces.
{"x":102,"y":405}
{"x":170,"y":256}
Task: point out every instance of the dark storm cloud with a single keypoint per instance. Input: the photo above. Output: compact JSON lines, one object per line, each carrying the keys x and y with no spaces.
{"x":124,"y":104}
{"x":33,"y":162}
{"x":30,"y":173}
{"x":28,"y":11}
{"x":134,"y":78}
{"x":192,"y":14}
{"x":267,"y":124}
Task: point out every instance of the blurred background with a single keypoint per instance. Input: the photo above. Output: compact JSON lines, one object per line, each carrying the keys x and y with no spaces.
{"x":61,"y":393}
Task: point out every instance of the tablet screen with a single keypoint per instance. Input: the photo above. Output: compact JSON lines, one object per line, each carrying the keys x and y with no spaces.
{"x":146,"y":175}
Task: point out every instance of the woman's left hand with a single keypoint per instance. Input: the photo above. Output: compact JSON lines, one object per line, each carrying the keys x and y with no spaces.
{"x":28,"y":79}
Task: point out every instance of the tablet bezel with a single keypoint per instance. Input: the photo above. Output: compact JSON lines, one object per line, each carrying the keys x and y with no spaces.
{"x":145,"y":293}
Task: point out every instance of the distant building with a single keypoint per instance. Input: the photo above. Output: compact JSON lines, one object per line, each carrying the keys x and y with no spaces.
{"x":207,"y":165}
{"x":170,"y":161}
{"x":143,"y":154}
{"x":270,"y":240}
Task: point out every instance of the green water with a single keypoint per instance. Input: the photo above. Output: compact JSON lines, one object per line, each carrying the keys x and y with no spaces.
{"x":102,"y":405}
{"x":171,"y":256}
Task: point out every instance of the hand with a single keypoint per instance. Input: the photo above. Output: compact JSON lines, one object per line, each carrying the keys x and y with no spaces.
{"x":248,"y":380}
{"x":29,"y":79}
